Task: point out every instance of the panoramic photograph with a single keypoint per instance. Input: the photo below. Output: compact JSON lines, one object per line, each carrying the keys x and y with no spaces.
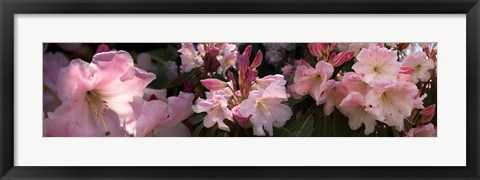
{"x":240,"y":89}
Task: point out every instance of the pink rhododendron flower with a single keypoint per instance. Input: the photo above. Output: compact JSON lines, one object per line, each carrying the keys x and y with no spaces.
{"x":391,"y":101}
{"x":190,"y":57}
{"x":311,"y":81}
{"x":354,"y":82}
{"x":421,"y":64}
{"x":95,"y":97}
{"x":353,"y":106}
{"x":227,"y":57}
{"x":265,"y":109}
{"x":377,"y":63}
{"x":335,"y":92}
{"x":428,"y":113}
{"x":216,"y":106}
{"x":423,"y":131}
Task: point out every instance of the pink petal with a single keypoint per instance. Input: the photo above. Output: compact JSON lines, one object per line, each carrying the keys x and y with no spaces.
{"x":52,"y":63}
{"x":148,"y":114}
{"x":180,"y":107}
{"x":78,"y":120}
{"x":75,"y":80}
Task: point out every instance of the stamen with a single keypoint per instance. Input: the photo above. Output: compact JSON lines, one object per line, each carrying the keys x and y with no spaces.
{"x":98,"y":106}
{"x":263,"y":106}
{"x":376,"y":69}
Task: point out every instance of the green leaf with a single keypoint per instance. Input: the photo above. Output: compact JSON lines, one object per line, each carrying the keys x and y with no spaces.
{"x":302,"y":126}
{"x":319,"y":126}
{"x":197,"y":118}
{"x":293,"y":101}
{"x":223,"y":134}
{"x":211,"y":131}
{"x":395,"y":132}
{"x":282,"y":132}
{"x":340,"y":125}
{"x":306,"y":128}
{"x":360,"y":132}
{"x":328,"y":127}
{"x":197,"y":131}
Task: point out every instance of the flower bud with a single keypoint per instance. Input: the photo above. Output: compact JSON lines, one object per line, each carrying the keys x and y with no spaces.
{"x":321,"y":50}
{"x":258,"y":60}
{"x":243,"y":64}
{"x":427,"y":113}
{"x":247,"y":51}
{"x":406,"y":70}
{"x":231,"y":78}
{"x":213,"y":84}
{"x":342,"y":57}
{"x":102,"y":48}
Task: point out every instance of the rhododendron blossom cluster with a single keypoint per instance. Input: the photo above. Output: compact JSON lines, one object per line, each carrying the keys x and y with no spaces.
{"x":240,"y":90}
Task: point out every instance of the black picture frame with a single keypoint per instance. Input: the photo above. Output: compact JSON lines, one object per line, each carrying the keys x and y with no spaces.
{"x":9,"y":8}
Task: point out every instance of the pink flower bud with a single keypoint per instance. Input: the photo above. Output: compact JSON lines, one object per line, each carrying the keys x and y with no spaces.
{"x":102,"y":48}
{"x":243,"y":64}
{"x":342,"y":57}
{"x":213,"y":84}
{"x":258,"y":60}
{"x":232,"y":78}
{"x":242,"y":121}
{"x":406,"y":70}
{"x":247,"y":51}
{"x":251,"y":75}
{"x":320,"y":50}
{"x":317,"y":49}
{"x":428,"y":113}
